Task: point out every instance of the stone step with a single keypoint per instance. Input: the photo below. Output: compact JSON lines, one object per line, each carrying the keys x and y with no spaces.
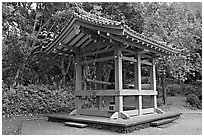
{"x":163,"y":121}
{"x":73,"y":124}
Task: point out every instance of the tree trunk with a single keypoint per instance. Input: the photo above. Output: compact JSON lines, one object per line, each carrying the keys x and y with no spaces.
{"x":63,"y":73}
{"x":164,"y":99}
{"x":16,"y":78}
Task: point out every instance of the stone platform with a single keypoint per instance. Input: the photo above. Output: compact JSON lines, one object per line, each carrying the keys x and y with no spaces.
{"x":117,"y":125}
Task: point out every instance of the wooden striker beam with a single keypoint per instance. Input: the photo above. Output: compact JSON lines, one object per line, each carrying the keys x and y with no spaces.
{"x":98,"y":82}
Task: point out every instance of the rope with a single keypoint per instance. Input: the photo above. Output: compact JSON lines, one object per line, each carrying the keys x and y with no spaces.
{"x":97,"y":53}
{"x":87,"y":66}
{"x":94,"y":70}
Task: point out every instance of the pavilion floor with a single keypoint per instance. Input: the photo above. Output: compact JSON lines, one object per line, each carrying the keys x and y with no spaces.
{"x":117,"y":125}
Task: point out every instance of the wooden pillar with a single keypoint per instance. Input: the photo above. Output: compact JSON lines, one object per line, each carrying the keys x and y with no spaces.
{"x":99,"y":86}
{"x":78,"y":82}
{"x":118,"y":80}
{"x":153,"y":82}
{"x":153,"y":75}
{"x":85,"y":73}
{"x":138,"y":85}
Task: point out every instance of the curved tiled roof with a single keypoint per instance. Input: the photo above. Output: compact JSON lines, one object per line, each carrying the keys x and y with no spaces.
{"x":94,"y":19}
{"x":114,"y":29}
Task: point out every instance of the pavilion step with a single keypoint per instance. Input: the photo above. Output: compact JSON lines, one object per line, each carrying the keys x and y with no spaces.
{"x":163,"y":121}
{"x":73,"y":124}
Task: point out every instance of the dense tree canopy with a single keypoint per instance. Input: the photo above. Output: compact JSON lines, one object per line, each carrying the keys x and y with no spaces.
{"x":29,"y":25}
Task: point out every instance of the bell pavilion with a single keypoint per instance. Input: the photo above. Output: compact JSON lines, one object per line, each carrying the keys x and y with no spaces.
{"x":96,"y":41}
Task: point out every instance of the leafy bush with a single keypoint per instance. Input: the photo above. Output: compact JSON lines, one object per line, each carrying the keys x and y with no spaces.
{"x":36,"y":100}
{"x":193,"y":89}
{"x":189,"y":89}
{"x":194,"y":101}
{"x":173,"y":89}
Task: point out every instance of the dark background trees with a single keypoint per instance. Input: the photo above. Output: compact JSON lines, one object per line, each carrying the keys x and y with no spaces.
{"x":30,"y":25}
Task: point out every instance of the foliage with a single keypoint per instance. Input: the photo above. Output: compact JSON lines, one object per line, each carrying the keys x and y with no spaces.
{"x":173,"y":89}
{"x":189,"y":89}
{"x":31,"y":25}
{"x":126,"y":12}
{"x":193,"y":89}
{"x":194,"y":101}
{"x":26,"y":27}
{"x":179,"y":25}
{"x":36,"y":100}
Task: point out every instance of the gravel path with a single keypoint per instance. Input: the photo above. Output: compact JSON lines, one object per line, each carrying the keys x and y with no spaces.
{"x":190,"y":123}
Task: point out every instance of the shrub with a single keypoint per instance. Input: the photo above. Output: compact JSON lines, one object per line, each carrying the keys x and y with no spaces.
{"x":173,"y":89}
{"x":36,"y":100}
{"x":188,"y":89}
{"x":194,"y":101}
{"x":196,"y":89}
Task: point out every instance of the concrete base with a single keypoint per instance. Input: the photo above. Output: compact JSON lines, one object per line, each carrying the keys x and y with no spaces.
{"x":118,"y":125}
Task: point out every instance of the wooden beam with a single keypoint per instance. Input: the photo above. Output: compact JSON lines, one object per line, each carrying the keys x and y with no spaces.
{"x":148,"y":111}
{"x":129,"y":51}
{"x":69,"y":36}
{"x":131,"y":59}
{"x":131,"y":43}
{"x":80,"y":42}
{"x":75,"y":50}
{"x":87,"y":43}
{"x":98,"y":82}
{"x":97,"y":52}
{"x":111,"y":40}
{"x":97,"y":93}
{"x":66,"y":29}
{"x":93,"y":113}
{"x":114,"y":116}
{"x":125,"y":41}
{"x":145,"y":55}
{"x":146,"y":62}
{"x":124,"y":115}
{"x":96,"y":60}
{"x":126,"y":32}
{"x":94,"y":45}
{"x":131,"y":112}
{"x":73,"y":42}
{"x":143,"y":51}
{"x":127,"y":92}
